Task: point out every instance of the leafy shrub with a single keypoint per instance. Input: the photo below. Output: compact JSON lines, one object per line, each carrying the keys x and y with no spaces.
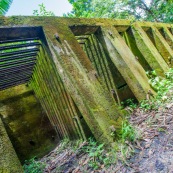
{"x":33,"y":166}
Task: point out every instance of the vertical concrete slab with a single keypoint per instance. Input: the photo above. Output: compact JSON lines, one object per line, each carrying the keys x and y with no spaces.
{"x":148,"y":50}
{"x":130,"y":41}
{"x":55,"y":95}
{"x":108,"y":74}
{"x":9,"y":162}
{"x":168,"y":36}
{"x":125,"y":61}
{"x":162,"y":46}
{"x":98,"y":108}
{"x":171,"y":29}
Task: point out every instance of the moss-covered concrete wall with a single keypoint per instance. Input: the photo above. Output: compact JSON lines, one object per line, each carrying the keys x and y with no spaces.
{"x":107,"y":72}
{"x":26,"y":123}
{"x":55,"y":99}
{"x":73,"y":82}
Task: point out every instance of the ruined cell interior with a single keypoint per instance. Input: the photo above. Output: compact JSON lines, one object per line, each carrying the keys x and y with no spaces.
{"x":65,"y":78}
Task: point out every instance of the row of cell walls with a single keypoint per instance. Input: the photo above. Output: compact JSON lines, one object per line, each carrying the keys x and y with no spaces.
{"x":107,"y":73}
{"x":160,"y":43}
{"x":167,"y":34}
{"x":26,"y":123}
{"x":130,"y":41}
{"x":144,"y":50}
{"x":54,"y":98}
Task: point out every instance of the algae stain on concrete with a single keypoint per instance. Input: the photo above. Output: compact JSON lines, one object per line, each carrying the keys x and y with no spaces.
{"x":27,"y":125}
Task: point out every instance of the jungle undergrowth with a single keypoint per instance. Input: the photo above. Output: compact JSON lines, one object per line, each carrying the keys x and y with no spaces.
{"x":33,"y":166}
{"x":163,"y":87}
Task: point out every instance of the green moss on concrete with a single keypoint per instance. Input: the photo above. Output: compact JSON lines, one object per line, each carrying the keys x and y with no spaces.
{"x":126,"y":63}
{"x":70,"y":75}
{"x":9,"y":162}
{"x":106,"y":71}
{"x":130,"y":41}
{"x":168,"y":36}
{"x":55,"y":98}
{"x":148,"y":50}
{"x":25,"y":121}
{"x":160,"y":43}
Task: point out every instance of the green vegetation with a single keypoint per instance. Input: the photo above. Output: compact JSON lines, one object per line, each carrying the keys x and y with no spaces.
{"x":42,"y":11}
{"x":97,"y":154}
{"x":162,"y":85}
{"x":33,"y":166}
{"x":127,"y":132}
{"x":156,"y":10}
{"x":4,"y":6}
{"x":129,"y":102}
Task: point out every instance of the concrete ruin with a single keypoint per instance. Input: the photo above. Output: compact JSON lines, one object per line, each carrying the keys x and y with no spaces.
{"x":78,"y":71}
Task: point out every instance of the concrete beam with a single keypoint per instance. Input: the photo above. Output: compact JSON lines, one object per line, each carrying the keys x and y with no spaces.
{"x":148,"y":50}
{"x":125,"y":61}
{"x":168,"y":36}
{"x":162,"y":46}
{"x":95,"y":103}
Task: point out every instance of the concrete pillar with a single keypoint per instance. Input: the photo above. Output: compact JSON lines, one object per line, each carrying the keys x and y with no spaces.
{"x":168,"y":36}
{"x":126,"y":62}
{"x":161,"y":45}
{"x":77,"y":73}
{"x":148,"y":50}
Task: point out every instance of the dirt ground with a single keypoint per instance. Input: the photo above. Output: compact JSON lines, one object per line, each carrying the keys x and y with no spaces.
{"x":152,"y":153}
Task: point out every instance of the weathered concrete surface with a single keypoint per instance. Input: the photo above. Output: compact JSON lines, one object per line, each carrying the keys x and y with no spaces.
{"x":148,"y":50}
{"x":168,"y":36}
{"x":9,"y":162}
{"x":26,"y":123}
{"x":162,"y":46}
{"x":69,"y":70}
{"x":80,"y":79}
{"x":126,"y":63}
{"x":108,"y":74}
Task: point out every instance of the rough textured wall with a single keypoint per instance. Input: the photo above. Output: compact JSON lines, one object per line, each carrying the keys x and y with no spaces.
{"x":27,"y":125}
{"x":9,"y":162}
{"x":129,"y":49}
{"x":107,"y":72}
{"x":55,"y":99}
